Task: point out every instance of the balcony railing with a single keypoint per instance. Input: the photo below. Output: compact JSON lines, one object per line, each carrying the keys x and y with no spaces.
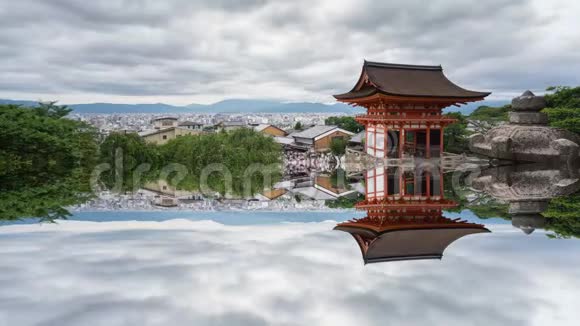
{"x":407,"y":118}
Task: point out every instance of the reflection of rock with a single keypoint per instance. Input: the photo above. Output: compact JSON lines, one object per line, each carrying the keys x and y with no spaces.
{"x":527,"y":138}
{"x":528,"y":189}
{"x":528,"y":223}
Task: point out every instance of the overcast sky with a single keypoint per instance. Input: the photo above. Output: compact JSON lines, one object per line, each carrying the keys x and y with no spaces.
{"x":183,"y":51}
{"x":181,"y":272}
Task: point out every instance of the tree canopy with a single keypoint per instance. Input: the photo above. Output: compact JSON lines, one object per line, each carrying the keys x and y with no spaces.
{"x":455,"y":135}
{"x":564,"y":107}
{"x":338,"y":146}
{"x":346,"y":123}
{"x":237,"y":151}
{"x":490,"y":114}
{"x":37,"y":144}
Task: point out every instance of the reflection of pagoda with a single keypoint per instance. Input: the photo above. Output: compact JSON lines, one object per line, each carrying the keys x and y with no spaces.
{"x":404,"y":216}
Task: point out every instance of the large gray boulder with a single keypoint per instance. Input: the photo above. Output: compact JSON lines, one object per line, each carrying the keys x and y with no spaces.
{"x":527,"y":138}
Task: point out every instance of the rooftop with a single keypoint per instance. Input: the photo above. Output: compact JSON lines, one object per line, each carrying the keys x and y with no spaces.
{"x":190,"y":123}
{"x":407,"y":240}
{"x":316,"y":131}
{"x":233,"y":124}
{"x":407,"y":81}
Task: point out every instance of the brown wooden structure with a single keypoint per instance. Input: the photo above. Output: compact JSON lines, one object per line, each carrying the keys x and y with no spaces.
{"x":404,"y":107}
{"x":395,"y":238}
{"x":405,"y":216}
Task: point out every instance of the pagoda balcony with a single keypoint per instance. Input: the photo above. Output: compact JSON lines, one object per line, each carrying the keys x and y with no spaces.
{"x":415,"y":119}
{"x":408,"y":202}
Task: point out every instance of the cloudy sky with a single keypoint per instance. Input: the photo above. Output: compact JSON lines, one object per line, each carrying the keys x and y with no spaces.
{"x":181,"y":272}
{"x":183,"y":51}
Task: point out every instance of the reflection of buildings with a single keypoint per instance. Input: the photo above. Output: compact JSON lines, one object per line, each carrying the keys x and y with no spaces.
{"x":320,"y":187}
{"x":405,"y":216}
{"x":405,"y":102}
{"x":169,"y":196}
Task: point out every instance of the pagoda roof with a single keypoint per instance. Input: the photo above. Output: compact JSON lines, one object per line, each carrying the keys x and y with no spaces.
{"x":407,"y":81}
{"x":407,"y":241}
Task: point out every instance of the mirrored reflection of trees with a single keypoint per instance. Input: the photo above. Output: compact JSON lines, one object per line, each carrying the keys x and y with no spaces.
{"x":45,"y":161}
{"x":46,"y":200}
{"x":563,"y":217}
{"x":229,"y":163}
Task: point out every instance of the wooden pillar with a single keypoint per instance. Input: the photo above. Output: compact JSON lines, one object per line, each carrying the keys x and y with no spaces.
{"x":366,"y":183}
{"x":386,"y":141}
{"x":428,"y":182}
{"x":402,"y":186}
{"x":366,"y":138}
{"x":428,"y":144}
{"x":401,"y":140}
{"x":441,"y":182}
{"x":386,"y":183}
{"x":441,"y":140}
{"x":375,"y":141}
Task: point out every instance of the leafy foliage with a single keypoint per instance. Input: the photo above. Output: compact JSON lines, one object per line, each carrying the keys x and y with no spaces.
{"x":44,"y":161}
{"x":490,"y":114}
{"x":131,"y":148}
{"x":346,"y":123}
{"x":338,"y":146}
{"x":237,"y":152}
{"x":562,"y":217}
{"x":38,"y":144}
{"x":344,"y":202}
{"x":564,"y":108}
{"x":298,"y":126}
{"x":563,"y":97}
{"x":455,"y":135}
{"x":45,"y":201}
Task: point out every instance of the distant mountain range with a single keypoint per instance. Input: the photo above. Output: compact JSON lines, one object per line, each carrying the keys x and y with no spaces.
{"x":234,"y":106}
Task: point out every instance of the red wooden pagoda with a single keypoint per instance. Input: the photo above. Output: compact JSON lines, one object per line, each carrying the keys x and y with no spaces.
{"x":405,"y":216}
{"x":405,"y":102}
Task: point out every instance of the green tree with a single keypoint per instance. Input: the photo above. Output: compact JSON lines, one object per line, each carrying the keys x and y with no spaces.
{"x":298,"y":126}
{"x":132,"y":148}
{"x":237,"y":151}
{"x":47,"y":200}
{"x":562,"y":217}
{"x":563,"y":108}
{"x":455,"y":135}
{"x":563,"y":97}
{"x":345,"y":202}
{"x":346,"y":123}
{"x":491,"y":114}
{"x":338,"y":146}
{"x":37,"y":144}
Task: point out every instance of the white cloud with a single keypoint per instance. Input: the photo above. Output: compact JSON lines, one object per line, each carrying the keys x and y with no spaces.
{"x":202,"y":51}
{"x":181,"y":272}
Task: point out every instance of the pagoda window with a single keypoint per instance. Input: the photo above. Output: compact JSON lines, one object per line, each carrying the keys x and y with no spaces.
{"x":380,"y":140}
{"x":371,"y":138}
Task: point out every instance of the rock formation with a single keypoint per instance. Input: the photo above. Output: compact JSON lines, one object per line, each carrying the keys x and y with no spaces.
{"x":527,"y":136}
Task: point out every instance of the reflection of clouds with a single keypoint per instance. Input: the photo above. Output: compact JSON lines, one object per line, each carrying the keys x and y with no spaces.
{"x":182,"y":272}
